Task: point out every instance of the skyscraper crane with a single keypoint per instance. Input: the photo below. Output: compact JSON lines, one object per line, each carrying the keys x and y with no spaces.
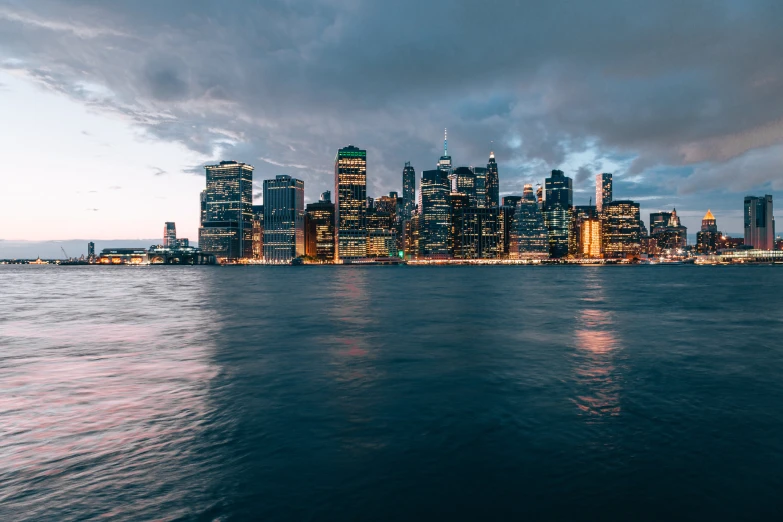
{"x":66,"y":255}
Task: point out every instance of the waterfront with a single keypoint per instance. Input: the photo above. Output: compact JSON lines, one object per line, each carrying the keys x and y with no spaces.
{"x":388,"y":393}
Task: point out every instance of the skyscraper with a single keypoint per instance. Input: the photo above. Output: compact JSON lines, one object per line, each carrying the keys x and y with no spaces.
{"x":284,"y":216}
{"x":435,"y":223}
{"x":321,"y":215}
{"x":408,"y":191}
{"x":169,"y":235}
{"x":258,"y":231}
{"x":557,"y":208}
{"x":226,"y":228}
{"x":621,"y":229}
{"x":506,"y":222}
{"x":481,"y":186}
{"x":492,"y":184}
{"x":464,"y":182}
{"x":350,"y":187}
{"x":667,"y":230}
{"x":759,"y":222}
{"x":529,"y":235}
{"x":91,"y":252}
{"x":477,"y":234}
{"x":707,"y":238}
{"x":590,"y":238}
{"x":603,"y":190}
{"x":444,"y":163}
{"x":579,"y":214}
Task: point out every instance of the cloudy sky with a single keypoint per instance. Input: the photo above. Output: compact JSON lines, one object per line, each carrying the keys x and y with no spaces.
{"x":109,"y":110}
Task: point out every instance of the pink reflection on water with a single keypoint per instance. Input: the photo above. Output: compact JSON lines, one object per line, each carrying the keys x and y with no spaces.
{"x":596,"y":344}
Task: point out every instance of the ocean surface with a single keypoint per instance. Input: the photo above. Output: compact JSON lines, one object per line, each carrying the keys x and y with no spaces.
{"x":391,"y":393}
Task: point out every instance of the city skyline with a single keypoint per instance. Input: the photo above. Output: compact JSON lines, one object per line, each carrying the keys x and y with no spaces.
{"x":125,"y":121}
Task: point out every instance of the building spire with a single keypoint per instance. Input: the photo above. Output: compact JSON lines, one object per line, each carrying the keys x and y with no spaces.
{"x":491,"y":150}
{"x":445,"y":142}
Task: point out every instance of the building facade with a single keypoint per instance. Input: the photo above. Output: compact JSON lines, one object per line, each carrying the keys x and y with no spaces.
{"x":435,"y":221}
{"x":492,"y":183}
{"x":557,"y":212}
{"x":169,"y":234}
{"x":759,"y":222}
{"x":227,"y":215}
{"x":321,"y":216}
{"x":603,"y":190}
{"x":529,"y":238}
{"x":621,"y":230}
{"x":258,"y":232}
{"x":284,"y":219}
{"x":350,"y":187}
{"x":408,"y":190}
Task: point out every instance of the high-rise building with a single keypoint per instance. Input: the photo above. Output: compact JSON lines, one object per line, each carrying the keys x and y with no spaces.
{"x":226,"y":228}
{"x":621,"y":232}
{"x":579,"y":214}
{"x":529,"y":235}
{"x":506,"y":222}
{"x":557,"y":212}
{"x":203,"y":215}
{"x":444,"y":163}
{"x":350,"y":187}
{"x":435,"y":223}
{"x":707,"y":239}
{"x":91,"y":252}
{"x":458,"y":202}
{"x":464,"y":182}
{"x":759,"y":222}
{"x":481,"y":186}
{"x":388,"y":205}
{"x":381,"y":243}
{"x":408,"y":190}
{"x":169,"y":235}
{"x":667,"y":231}
{"x":603,"y":190}
{"x":492,"y":184}
{"x":284,"y":219}
{"x":590,"y":238}
{"x":321,"y":216}
{"x":476,"y":233}
{"x":258,"y":232}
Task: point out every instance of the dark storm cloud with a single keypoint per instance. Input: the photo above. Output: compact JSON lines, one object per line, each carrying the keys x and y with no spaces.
{"x":283,"y":84}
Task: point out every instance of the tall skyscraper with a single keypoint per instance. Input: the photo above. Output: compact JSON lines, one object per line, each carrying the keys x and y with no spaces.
{"x":284,"y":219}
{"x":226,"y":229}
{"x":91,"y":252}
{"x":408,"y":190}
{"x":464,"y":182}
{"x":481,"y":186}
{"x":492,"y":184}
{"x":321,"y":215}
{"x":258,"y":232}
{"x":707,"y":239}
{"x":169,"y":235}
{"x":444,"y":163}
{"x":603,"y":190}
{"x":759,"y":222}
{"x":506,"y":222}
{"x":529,"y":235}
{"x":435,"y":223}
{"x":457,"y":204}
{"x":477,"y":234}
{"x":350,"y":187}
{"x":621,"y":229}
{"x":579,"y":214}
{"x":557,"y":212}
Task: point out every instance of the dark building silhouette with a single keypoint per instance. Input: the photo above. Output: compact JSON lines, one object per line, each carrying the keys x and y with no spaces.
{"x":557,"y":212}
{"x":284,"y":219}
{"x":408,"y":190}
{"x":492,"y":184}
{"x":529,"y":236}
{"x":759,"y":222}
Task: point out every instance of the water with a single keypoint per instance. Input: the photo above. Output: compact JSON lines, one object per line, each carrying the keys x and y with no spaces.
{"x":391,"y":393}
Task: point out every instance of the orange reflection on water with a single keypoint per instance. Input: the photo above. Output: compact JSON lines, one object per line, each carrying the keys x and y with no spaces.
{"x":597,"y":344}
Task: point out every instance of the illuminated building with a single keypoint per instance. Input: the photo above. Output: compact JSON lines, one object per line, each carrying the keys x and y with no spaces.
{"x":381,"y":243}
{"x":444,"y":163}
{"x":492,"y":183}
{"x":226,"y":228}
{"x":707,"y":237}
{"x":579,"y":214}
{"x":540,"y":196}
{"x":621,"y":231}
{"x":378,"y":220}
{"x":590,"y":238}
{"x":557,"y":212}
{"x":410,"y":231}
{"x":321,"y":216}
{"x":476,"y":233}
{"x":387,"y":205}
{"x":759,"y":222}
{"x":91,"y":252}
{"x":169,"y":234}
{"x":284,"y":216}
{"x":203,"y":215}
{"x":506,"y":222}
{"x":464,"y":182}
{"x":350,"y":187}
{"x":480,"y":174}
{"x":529,"y":235}
{"x":603,"y":190}
{"x":458,"y":202}
{"x":258,"y":231}
{"x":408,"y":190}
{"x":667,"y":230}
{"x":434,"y":223}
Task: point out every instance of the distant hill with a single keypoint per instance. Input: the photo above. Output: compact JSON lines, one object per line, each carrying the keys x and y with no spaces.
{"x":74,"y":247}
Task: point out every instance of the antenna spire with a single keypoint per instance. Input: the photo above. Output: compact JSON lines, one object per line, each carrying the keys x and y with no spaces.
{"x":445,"y":142}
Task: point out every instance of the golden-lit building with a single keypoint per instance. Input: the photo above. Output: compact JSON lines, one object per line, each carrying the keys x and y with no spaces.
{"x":350,"y":187}
{"x":258,"y":231}
{"x":321,"y":228}
{"x":381,"y":243}
{"x":621,"y":229}
{"x":590,"y":238}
